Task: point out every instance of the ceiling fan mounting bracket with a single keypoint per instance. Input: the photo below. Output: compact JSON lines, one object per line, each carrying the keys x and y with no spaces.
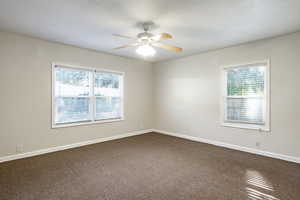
{"x":147,"y":25}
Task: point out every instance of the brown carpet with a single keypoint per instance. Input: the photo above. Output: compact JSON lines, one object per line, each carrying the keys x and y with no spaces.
{"x":150,"y":166}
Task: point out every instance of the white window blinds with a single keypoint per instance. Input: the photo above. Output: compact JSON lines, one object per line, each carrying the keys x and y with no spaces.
{"x":84,"y":95}
{"x":245,"y":100}
{"x":72,"y":95}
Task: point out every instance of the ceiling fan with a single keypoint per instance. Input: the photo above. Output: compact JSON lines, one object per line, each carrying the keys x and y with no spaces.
{"x":145,"y":41}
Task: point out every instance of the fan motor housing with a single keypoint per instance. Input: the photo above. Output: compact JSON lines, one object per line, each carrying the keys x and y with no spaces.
{"x":144,"y":37}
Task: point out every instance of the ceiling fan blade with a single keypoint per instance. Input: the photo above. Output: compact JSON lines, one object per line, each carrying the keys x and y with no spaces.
{"x":124,"y":36}
{"x":167,"y":47}
{"x":127,"y":45}
{"x":162,"y":36}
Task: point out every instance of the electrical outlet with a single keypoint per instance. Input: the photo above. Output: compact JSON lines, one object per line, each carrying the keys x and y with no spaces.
{"x":141,"y":124}
{"x":19,"y":148}
{"x":257,"y":144}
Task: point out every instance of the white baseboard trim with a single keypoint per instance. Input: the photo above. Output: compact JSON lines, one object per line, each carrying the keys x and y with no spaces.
{"x":232,"y":146}
{"x":197,"y":139}
{"x":69,"y":146}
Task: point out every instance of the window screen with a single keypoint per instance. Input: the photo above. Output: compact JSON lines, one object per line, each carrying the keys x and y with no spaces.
{"x":84,"y":95}
{"x":245,"y":99}
{"x":108,"y":96}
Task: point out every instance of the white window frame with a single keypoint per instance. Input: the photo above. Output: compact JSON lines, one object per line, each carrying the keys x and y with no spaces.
{"x":92,"y":96}
{"x":266,"y":111}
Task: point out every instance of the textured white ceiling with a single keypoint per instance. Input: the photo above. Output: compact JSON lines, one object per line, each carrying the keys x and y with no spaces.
{"x":197,"y":25}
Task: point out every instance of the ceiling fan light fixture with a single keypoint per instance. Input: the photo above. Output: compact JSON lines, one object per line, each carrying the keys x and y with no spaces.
{"x":145,"y":41}
{"x":146,"y":50}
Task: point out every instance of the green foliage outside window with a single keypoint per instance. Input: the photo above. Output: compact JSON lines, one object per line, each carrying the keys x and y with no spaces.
{"x":246,"y":81}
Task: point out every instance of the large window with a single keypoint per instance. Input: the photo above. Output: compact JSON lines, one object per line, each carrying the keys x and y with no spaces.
{"x":85,"y":95}
{"x":246,"y":96}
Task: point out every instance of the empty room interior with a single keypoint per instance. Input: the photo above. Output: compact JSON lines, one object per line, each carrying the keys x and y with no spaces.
{"x":150,"y":100}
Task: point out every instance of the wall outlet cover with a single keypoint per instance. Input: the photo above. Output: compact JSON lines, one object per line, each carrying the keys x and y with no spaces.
{"x":19,"y":148}
{"x":257,"y":144}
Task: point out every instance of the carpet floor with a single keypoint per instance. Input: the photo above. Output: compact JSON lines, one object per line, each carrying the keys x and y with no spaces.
{"x":149,"y":167}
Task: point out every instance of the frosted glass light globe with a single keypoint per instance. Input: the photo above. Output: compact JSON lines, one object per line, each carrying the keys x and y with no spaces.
{"x":145,"y":51}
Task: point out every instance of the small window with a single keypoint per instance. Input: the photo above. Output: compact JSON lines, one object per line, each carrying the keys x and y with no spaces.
{"x":85,"y":95}
{"x":246,"y":96}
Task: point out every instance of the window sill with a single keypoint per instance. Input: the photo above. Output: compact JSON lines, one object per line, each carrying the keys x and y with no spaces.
{"x":85,"y":123}
{"x":247,"y":126}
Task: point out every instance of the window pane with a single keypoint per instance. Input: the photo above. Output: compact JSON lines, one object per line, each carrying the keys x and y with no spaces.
{"x":71,"y":82}
{"x":107,"y":84}
{"x":245,"y":109}
{"x":108,"y":108}
{"x":246,"y":81}
{"x":70,"y":109}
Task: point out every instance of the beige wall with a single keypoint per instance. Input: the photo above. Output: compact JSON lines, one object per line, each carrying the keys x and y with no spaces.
{"x":188,"y":94}
{"x":25,"y":85}
{"x":183,"y":93}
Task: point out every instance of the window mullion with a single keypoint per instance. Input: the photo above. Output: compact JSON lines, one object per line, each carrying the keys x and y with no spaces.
{"x":92,"y":95}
